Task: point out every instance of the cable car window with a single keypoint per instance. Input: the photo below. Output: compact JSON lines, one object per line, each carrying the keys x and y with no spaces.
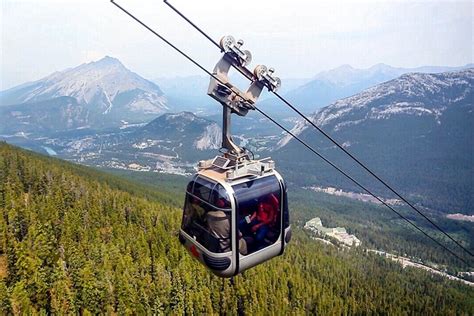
{"x":208,"y":224}
{"x":259,"y":212}
{"x":220,"y":198}
{"x":202,"y":188}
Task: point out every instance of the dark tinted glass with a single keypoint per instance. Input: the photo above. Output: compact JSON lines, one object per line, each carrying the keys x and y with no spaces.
{"x":207,"y":224}
{"x":259,"y":212}
{"x":252,"y":191}
{"x":220,"y":198}
{"x":202,"y":188}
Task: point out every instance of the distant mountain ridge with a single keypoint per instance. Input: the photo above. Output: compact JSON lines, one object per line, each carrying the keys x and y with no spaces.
{"x":109,"y":93}
{"x":344,"y":81}
{"x":346,"y":75}
{"x":416,"y":93}
{"x":416,"y":130}
{"x":44,"y":117}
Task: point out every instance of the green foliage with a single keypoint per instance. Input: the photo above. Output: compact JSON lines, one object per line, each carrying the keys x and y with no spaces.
{"x":74,"y":242}
{"x":381,"y":229}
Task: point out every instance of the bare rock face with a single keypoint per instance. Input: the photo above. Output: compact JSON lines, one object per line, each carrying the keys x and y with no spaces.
{"x":210,"y":139}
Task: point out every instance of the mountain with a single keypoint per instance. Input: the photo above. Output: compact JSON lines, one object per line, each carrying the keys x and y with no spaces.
{"x":346,"y":75}
{"x":78,"y":241}
{"x":186,"y":128}
{"x":108,"y":95}
{"x":416,"y":131}
{"x":57,"y":114}
{"x":344,"y":81}
{"x":172,"y":143}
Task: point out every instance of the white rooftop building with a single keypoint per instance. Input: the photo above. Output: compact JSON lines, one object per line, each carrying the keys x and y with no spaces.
{"x":339,"y":233}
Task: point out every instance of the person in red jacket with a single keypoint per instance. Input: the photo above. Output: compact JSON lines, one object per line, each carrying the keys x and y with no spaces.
{"x":262,"y":219}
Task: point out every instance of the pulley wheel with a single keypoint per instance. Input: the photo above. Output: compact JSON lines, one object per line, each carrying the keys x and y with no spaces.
{"x":277,"y":84}
{"x":226,"y":42}
{"x":260,"y":71}
{"x":248,"y":58}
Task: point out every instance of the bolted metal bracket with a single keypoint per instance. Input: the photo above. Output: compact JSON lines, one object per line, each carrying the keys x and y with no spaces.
{"x":232,"y":99}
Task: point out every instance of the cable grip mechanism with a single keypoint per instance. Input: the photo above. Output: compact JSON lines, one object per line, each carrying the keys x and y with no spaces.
{"x":232,"y":98}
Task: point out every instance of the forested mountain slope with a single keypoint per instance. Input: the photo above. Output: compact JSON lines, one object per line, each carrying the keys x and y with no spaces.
{"x":71,"y":243}
{"x":416,"y":132}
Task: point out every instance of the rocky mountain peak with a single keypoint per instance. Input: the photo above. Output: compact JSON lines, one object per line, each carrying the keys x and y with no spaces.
{"x":105,"y":87}
{"x":416,"y":94}
{"x":107,"y":61}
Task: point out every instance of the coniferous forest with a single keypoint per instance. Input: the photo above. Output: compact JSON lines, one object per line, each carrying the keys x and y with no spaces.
{"x":77,"y":241}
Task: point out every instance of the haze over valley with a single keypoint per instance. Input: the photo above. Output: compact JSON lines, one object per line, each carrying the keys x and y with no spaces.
{"x":102,"y":114}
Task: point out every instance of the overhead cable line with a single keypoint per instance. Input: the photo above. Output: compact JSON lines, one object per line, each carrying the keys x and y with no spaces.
{"x":358,"y":183}
{"x":329,"y":137}
{"x":289,"y":132}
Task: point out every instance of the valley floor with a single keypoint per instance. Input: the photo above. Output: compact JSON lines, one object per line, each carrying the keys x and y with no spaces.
{"x":407,"y":262}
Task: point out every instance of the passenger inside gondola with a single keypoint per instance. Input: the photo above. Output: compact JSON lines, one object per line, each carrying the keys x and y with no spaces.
{"x":260,"y":223}
{"x":207,"y":215}
{"x":219,"y":227}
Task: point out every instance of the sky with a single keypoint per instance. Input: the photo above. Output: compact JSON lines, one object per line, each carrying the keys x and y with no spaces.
{"x":299,"y":38}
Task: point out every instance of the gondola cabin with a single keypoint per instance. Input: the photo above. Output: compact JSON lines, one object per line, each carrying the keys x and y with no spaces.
{"x":232,"y":223}
{"x":236,"y":213}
